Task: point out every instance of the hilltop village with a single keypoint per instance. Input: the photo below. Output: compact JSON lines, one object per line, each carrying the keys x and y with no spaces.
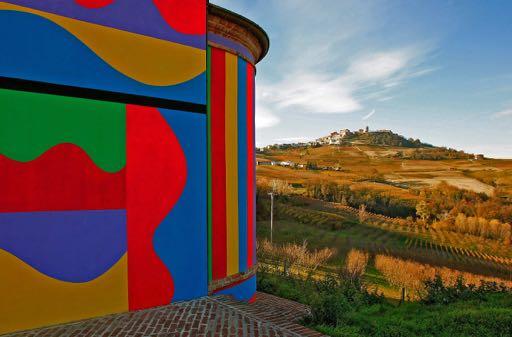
{"x":383,"y":141}
{"x":362,"y":136}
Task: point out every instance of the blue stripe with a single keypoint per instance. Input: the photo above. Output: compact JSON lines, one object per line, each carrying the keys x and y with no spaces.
{"x":242,"y":164}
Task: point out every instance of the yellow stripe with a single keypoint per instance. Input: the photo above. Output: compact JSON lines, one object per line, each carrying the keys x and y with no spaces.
{"x":232,"y":163}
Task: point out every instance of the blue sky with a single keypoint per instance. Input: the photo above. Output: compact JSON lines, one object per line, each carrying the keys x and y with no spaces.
{"x":440,"y":71}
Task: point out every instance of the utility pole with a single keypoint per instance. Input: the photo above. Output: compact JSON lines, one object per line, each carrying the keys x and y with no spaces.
{"x":271,"y":215}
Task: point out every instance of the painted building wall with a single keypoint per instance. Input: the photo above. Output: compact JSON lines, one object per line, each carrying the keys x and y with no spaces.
{"x":127,"y":176}
{"x":232,"y":179}
{"x":103,"y":157}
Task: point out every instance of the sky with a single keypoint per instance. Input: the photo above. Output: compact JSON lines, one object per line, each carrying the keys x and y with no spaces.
{"x":440,"y":71}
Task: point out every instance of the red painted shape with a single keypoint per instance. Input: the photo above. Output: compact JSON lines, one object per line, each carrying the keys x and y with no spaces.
{"x":218,"y":102}
{"x":92,"y":4}
{"x":251,"y":168}
{"x":63,"y":178}
{"x":184,"y":16}
{"x":156,"y":175}
{"x":253,"y":298}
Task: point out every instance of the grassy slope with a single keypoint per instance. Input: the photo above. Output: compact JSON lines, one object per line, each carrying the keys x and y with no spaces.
{"x":489,"y":316}
{"x":492,"y":317}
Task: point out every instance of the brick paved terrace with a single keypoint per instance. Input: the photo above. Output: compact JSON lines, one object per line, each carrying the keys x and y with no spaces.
{"x":210,"y":316}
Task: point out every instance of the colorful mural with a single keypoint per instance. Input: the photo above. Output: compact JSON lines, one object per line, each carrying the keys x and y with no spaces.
{"x":147,"y":48}
{"x":232,"y":218}
{"x":102,"y":208}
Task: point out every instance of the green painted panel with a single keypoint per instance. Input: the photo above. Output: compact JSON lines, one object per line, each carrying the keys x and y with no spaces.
{"x":32,"y":123}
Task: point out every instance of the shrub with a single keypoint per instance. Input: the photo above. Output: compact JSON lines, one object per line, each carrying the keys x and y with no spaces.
{"x":292,"y":259}
{"x":355,"y":264}
{"x":437,"y":292}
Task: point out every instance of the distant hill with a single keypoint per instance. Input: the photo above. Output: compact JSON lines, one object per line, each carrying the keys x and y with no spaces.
{"x":381,"y":143}
{"x":384,"y":138}
{"x":367,"y":137}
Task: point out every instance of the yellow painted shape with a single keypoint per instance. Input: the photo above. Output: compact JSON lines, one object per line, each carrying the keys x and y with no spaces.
{"x":145,"y":59}
{"x":29,"y":299}
{"x":232,"y":163}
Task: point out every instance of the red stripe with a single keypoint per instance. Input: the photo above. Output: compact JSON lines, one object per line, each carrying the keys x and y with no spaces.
{"x":251,"y":239}
{"x":218,"y":102}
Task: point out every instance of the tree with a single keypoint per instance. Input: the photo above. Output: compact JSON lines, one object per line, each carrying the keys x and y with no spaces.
{"x":362,"y":213}
{"x":423,"y":210}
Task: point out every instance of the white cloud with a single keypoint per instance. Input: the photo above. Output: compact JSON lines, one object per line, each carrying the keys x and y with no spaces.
{"x":292,"y":139}
{"x":371,"y":76}
{"x":369,"y":115}
{"x":265,"y":117}
{"x":379,"y":66}
{"x":503,"y":113}
{"x":311,"y":92}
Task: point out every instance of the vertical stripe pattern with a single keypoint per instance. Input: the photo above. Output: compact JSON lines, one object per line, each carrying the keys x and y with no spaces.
{"x":231,"y":122}
{"x":232,"y":160}
{"x":209,"y":162}
{"x":218,"y":165}
{"x":251,"y":169}
{"x":242,"y":164}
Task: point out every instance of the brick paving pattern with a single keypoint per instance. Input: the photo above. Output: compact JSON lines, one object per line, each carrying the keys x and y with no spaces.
{"x":217,"y":316}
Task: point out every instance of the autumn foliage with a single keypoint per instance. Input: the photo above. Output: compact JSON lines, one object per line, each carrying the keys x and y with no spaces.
{"x":413,"y":275}
{"x":292,"y":259}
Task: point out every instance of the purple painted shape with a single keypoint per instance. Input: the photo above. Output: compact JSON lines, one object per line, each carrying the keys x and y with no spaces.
{"x":136,"y":16}
{"x":231,"y":45}
{"x":72,"y":246}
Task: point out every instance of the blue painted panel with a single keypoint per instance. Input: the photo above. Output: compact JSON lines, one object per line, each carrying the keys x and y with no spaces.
{"x":73,"y":246}
{"x":243,"y":291}
{"x":181,"y":239}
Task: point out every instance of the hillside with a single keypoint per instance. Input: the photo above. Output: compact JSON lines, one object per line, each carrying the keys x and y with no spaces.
{"x":382,"y":138}
{"x":396,"y":168}
{"x":385,"y":142}
{"x":431,"y":184}
{"x":431,"y":207}
{"x":361,"y":137}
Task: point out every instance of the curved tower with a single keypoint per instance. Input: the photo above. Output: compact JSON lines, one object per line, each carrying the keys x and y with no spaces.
{"x":235,"y":45}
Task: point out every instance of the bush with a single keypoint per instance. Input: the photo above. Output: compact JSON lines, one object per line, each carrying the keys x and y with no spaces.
{"x":338,"y":298}
{"x":329,"y":309}
{"x":436,"y":292}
